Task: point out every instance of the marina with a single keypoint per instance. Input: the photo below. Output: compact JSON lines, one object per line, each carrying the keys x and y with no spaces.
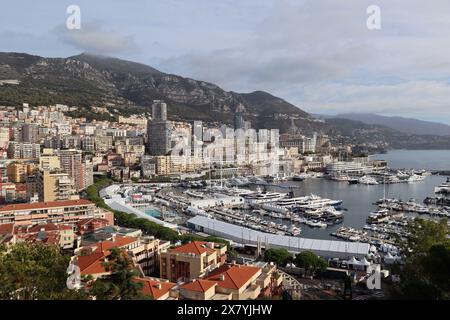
{"x":315,"y":207}
{"x":360,"y":200}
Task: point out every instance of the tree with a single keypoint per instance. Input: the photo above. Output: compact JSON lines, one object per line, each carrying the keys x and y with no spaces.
{"x":119,"y":285}
{"x":35,"y":272}
{"x":423,"y":234}
{"x":425,"y":273}
{"x":278,"y":256}
{"x":310,"y":262}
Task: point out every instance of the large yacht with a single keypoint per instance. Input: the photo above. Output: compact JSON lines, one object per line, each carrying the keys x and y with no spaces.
{"x":312,"y":201}
{"x":264,"y":196}
{"x":368,"y":180}
{"x":443,"y":187}
{"x":416,"y":178}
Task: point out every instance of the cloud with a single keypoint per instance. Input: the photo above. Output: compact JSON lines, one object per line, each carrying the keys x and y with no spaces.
{"x":420,"y":98}
{"x":317,"y":54}
{"x":320,"y":56}
{"x":92,"y":37}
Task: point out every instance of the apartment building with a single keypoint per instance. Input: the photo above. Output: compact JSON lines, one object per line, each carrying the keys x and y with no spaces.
{"x":58,"y":212}
{"x":144,"y":252}
{"x":23,"y":150}
{"x":17,"y":172}
{"x":55,"y":185}
{"x":234,"y":282}
{"x":191,"y":261}
{"x":61,"y":235}
{"x":72,"y":163}
{"x":158,"y":289}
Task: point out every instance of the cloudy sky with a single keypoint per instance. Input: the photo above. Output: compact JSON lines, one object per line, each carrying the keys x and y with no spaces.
{"x":317,"y":54}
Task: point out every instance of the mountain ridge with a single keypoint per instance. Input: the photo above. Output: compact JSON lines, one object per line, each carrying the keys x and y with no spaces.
{"x":127,"y":87}
{"x":88,"y":79}
{"x":403,"y":124}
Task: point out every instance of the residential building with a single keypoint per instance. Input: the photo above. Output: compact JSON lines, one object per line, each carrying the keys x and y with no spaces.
{"x":57,"y":212}
{"x":235,"y":282}
{"x":23,"y":150}
{"x":30,"y":133}
{"x":72,"y":163}
{"x":144,"y":253}
{"x":62,"y":235}
{"x":55,"y":185}
{"x":158,"y":289}
{"x":192,"y":260}
{"x":17,"y":172}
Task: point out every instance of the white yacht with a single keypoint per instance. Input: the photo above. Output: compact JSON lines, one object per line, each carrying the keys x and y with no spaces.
{"x":368,"y":180}
{"x":443,"y":187}
{"x":264,"y":197}
{"x":378,"y":216}
{"x":416,"y":178}
{"x":316,"y":224}
{"x":313,"y":202}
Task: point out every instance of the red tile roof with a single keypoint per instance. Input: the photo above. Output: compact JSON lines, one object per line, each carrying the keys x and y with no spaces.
{"x":91,"y":264}
{"x":119,"y":242}
{"x":199,"y":285}
{"x":197,"y":247}
{"x":43,"y":205}
{"x":6,"y":228}
{"x":155,"y":288}
{"x":50,"y":238}
{"x":45,"y":227}
{"x":234,"y":276}
{"x":86,"y":221}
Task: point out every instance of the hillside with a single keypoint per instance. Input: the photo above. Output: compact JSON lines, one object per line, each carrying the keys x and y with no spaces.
{"x":128,"y":87}
{"x":87,"y":80}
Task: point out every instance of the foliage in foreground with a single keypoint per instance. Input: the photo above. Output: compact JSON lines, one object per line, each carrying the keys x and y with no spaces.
{"x":426,"y":271}
{"x":307,"y":260}
{"x":34,"y":272}
{"x":38,"y":272}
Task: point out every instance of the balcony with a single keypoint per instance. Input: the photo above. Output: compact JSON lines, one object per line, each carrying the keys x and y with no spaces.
{"x":251,"y":293}
{"x":278,"y":278}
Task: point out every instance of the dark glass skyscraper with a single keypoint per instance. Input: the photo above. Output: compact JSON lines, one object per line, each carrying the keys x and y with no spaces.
{"x":239,"y":122}
{"x":159,"y":130}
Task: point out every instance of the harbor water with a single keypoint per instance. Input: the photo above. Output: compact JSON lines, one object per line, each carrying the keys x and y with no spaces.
{"x":416,"y":159}
{"x":358,"y":199}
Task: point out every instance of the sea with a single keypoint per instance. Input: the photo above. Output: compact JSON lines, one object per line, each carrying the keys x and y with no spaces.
{"x":358,"y":199}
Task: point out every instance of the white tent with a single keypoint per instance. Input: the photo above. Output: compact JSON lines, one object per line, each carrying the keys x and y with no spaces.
{"x":353,"y":261}
{"x":389,"y":258}
{"x":364,"y":262}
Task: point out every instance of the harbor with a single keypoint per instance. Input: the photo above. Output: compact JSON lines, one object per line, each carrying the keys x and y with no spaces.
{"x":315,"y":207}
{"x":359,"y":200}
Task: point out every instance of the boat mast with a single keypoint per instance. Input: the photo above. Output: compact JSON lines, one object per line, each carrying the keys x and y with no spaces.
{"x":221,"y":172}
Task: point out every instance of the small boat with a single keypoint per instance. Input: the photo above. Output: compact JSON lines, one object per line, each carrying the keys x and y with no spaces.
{"x":295,"y":231}
{"x":298,"y":177}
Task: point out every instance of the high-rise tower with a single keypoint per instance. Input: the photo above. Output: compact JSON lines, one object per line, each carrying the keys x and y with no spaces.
{"x":239,"y":122}
{"x":159,"y":130}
